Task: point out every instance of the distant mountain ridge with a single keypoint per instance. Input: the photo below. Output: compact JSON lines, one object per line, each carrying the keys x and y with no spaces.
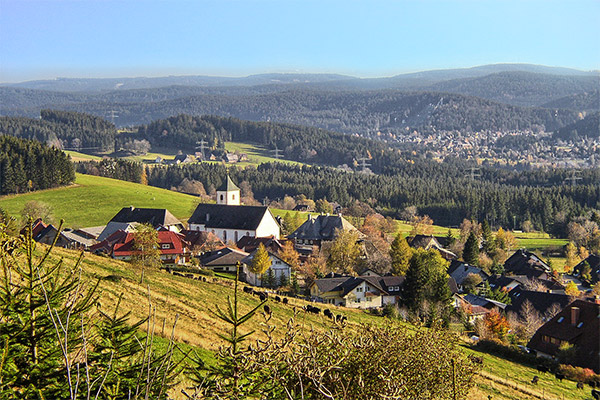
{"x":408,"y":80}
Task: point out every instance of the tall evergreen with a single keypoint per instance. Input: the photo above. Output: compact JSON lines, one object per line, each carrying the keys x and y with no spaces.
{"x":471,"y":250}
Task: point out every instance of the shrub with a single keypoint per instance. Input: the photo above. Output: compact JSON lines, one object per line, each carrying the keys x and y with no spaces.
{"x":578,"y":374}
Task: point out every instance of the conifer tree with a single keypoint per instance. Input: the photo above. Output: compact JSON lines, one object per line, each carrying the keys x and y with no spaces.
{"x":400,"y":253}
{"x":471,"y":251}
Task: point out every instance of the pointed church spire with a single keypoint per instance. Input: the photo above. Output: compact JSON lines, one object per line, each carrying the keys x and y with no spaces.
{"x":228,"y":193}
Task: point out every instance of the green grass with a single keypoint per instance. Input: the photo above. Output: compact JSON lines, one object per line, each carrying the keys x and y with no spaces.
{"x":93,"y":200}
{"x":75,"y":156}
{"x":256,"y":154}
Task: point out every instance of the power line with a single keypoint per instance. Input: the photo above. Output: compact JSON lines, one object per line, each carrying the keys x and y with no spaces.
{"x":201,"y":142}
{"x":574,"y":178}
{"x":276,"y":152}
{"x":113,"y":115}
{"x":363,"y":163}
{"x":473,"y":173}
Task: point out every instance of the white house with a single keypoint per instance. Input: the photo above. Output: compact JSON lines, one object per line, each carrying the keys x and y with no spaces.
{"x":230,"y":221}
{"x":358,"y":292}
{"x":281,"y":270}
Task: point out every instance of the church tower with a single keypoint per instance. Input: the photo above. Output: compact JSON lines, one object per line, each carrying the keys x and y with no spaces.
{"x":228,"y":194}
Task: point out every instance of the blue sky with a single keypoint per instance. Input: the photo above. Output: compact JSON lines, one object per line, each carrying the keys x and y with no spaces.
{"x":92,"y":38}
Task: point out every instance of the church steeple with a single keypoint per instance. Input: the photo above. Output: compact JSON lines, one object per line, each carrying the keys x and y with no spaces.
{"x":228,"y":193}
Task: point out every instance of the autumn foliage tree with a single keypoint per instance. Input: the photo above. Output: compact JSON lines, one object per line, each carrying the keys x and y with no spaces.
{"x":400,"y":254}
{"x":496,"y":324}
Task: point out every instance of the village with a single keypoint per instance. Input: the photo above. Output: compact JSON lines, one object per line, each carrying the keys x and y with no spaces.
{"x":229,"y":239}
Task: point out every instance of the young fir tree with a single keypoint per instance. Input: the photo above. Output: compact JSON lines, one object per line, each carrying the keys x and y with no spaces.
{"x":400,"y":253}
{"x":471,"y":250}
{"x":261,"y":260}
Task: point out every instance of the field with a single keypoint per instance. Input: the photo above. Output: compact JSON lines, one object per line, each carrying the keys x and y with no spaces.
{"x":93,"y":201}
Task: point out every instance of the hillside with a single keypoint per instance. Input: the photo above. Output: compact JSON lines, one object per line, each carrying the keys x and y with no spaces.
{"x":589,"y":127}
{"x":587,"y":101}
{"x":94,"y":200}
{"x":521,"y":88}
{"x":360,"y":112}
{"x":191,"y":300}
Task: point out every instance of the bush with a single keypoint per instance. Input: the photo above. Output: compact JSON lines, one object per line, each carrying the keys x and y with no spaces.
{"x":578,"y":374}
{"x":512,"y":353}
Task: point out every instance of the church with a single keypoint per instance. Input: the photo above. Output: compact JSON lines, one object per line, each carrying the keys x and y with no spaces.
{"x":229,"y":220}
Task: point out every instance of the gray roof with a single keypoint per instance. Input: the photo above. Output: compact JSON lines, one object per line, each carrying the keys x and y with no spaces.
{"x":346,"y":284}
{"x":223,"y":216}
{"x":228,"y":186}
{"x":93,"y":231}
{"x":73,"y":236}
{"x":322,"y":227}
{"x":225,"y":256}
{"x":459,"y":271}
{"x":153,"y":216}
{"x":483,"y":302}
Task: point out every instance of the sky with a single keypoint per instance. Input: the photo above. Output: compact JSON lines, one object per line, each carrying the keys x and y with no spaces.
{"x":370,"y":38}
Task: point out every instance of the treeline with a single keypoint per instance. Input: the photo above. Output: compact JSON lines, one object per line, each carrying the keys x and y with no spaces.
{"x":443,"y":195}
{"x":64,"y":129}
{"x":27,"y":165}
{"x":114,"y":168}
{"x":351,"y":111}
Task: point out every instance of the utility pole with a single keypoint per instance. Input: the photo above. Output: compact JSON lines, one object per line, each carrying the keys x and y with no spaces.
{"x":276,"y":153}
{"x":364,"y":164}
{"x":113,"y":114}
{"x":201,"y":144}
{"x":574,"y":177}
{"x":473,"y":173}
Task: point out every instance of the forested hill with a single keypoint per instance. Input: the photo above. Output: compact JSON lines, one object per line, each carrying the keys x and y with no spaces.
{"x":587,"y":101}
{"x":360,"y":112}
{"x":64,"y":129}
{"x":521,"y":88}
{"x":27,"y":165}
{"x":589,"y":127}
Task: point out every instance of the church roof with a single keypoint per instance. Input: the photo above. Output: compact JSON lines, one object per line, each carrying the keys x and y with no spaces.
{"x":222,"y":216}
{"x":228,"y":186}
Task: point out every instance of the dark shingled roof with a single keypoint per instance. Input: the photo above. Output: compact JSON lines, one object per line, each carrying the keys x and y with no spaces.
{"x":152,"y":216}
{"x":459,"y":271}
{"x":322,"y":228}
{"x":582,"y":330}
{"x":594,"y":262}
{"x":223,"y":216}
{"x":483,"y":302}
{"x":541,"y":301}
{"x":346,"y":284}
{"x":225,"y":256}
{"x":523,"y":262}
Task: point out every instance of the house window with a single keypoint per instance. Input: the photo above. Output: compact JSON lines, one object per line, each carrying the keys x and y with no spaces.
{"x":359,"y":289}
{"x":221,"y":197}
{"x":235,"y":235}
{"x":224,"y":235}
{"x":166,"y":246}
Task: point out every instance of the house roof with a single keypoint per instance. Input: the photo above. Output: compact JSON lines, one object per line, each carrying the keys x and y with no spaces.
{"x":322,"y":227}
{"x":483,"y":302}
{"x":225,"y":256}
{"x":36,"y":227}
{"x":541,"y":301}
{"x":202,"y":238}
{"x":579,"y":324}
{"x":74,"y":236}
{"x":113,"y":227}
{"x":107,"y":244}
{"x":502,"y":281}
{"x":175,"y":240}
{"x":228,"y":185}
{"x":251,"y":243}
{"x":221,"y":216}
{"x":523,"y":262}
{"x":459,"y":271}
{"x":345,"y":284}
{"x":594,"y":262}
{"x":152,"y":216}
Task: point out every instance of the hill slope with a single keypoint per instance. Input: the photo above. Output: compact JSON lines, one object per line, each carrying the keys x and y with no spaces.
{"x":94,"y":200}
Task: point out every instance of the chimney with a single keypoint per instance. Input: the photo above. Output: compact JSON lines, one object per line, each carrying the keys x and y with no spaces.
{"x":574,"y":315}
{"x":308,"y":217}
{"x":207,"y":217}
